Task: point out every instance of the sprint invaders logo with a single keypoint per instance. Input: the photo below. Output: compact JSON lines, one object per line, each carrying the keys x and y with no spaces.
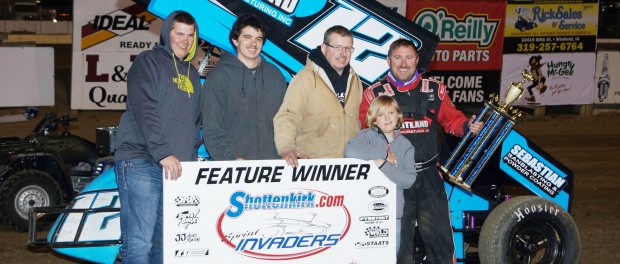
{"x":305,"y":223}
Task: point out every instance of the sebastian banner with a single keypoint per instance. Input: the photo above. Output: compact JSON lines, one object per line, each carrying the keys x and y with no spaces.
{"x":323,"y":211}
{"x":468,"y":58}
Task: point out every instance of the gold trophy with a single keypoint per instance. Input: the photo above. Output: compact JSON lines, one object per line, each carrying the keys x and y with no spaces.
{"x":472,"y":152}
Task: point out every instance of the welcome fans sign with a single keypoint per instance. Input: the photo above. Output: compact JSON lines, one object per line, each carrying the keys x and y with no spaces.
{"x":323,"y":211}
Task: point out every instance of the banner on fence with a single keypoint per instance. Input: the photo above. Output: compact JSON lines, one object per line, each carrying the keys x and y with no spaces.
{"x":28,"y":76}
{"x":556,"y":42}
{"x":559,"y":78}
{"x":468,"y":58}
{"x":107,"y":36}
{"x":607,"y":88}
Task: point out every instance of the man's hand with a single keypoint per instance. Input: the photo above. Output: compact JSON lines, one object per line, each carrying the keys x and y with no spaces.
{"x":475,"y":127}
{"x":172,"y":167}
{"x":291,"y":157}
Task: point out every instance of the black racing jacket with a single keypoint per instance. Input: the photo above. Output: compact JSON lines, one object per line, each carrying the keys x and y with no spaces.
{"x":426,"y":108}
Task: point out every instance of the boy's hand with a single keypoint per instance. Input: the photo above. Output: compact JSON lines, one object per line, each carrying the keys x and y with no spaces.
{"x":392,"y":159}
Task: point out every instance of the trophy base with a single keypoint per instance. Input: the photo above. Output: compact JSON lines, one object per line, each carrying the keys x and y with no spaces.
{"x":460,"y":183}
{"x":456,"y":180}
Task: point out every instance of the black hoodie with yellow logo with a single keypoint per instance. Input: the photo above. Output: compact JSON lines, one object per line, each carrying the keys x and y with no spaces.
{"x":163,"y":111}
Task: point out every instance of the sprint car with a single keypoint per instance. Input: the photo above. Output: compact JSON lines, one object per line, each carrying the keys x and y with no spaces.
{"x":515,"y":212}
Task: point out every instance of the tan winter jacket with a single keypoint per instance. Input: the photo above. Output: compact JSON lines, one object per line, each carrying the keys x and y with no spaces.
{"x":311,"y":120}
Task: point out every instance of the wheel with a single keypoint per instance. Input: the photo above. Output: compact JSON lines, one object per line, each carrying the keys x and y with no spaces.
{"x":529,"y":229}
{"x":25,"y":190}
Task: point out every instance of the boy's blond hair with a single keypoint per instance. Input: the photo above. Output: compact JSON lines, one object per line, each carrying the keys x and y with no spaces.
{"x":382,"y":102}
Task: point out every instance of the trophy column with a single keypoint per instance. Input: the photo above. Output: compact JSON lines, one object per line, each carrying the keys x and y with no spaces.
{"x":472,"y":152}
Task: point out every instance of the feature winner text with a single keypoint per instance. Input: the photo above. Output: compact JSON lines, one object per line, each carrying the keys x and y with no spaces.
{"x":267,"y":174}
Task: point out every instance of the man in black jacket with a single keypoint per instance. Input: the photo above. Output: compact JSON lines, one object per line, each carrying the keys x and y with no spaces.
{"x":160,"y":128}
{"x":425,"y":105}
{"x":243,"y":94}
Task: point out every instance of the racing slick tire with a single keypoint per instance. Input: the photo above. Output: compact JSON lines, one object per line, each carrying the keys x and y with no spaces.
{"x":529,"y":229}
{"x":24,"y":190}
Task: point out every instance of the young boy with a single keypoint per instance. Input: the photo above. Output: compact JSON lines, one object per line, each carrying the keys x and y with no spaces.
{"x":381,"y":142}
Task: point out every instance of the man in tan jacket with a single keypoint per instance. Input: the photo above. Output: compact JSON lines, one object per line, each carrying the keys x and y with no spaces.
{"x":321,"y":105}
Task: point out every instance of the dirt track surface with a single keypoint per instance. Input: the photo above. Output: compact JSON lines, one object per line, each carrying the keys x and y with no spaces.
{"x":587,"y":145}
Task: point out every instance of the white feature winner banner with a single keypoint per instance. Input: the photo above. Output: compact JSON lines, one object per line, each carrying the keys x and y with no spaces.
{"x":323,"y":211}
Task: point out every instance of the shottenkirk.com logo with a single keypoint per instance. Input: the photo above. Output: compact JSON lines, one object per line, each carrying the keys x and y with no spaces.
{"x":306,"y":222}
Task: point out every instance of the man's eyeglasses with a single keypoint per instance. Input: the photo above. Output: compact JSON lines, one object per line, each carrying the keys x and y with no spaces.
{"x":340,"y":48}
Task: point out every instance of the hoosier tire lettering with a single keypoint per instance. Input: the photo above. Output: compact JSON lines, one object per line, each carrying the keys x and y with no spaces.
{"x":522,"y":212}
{"x":529,"y":229}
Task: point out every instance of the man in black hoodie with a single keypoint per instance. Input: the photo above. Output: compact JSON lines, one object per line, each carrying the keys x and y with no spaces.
{"x":243,"y":94}
{"x":160,"y":128}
